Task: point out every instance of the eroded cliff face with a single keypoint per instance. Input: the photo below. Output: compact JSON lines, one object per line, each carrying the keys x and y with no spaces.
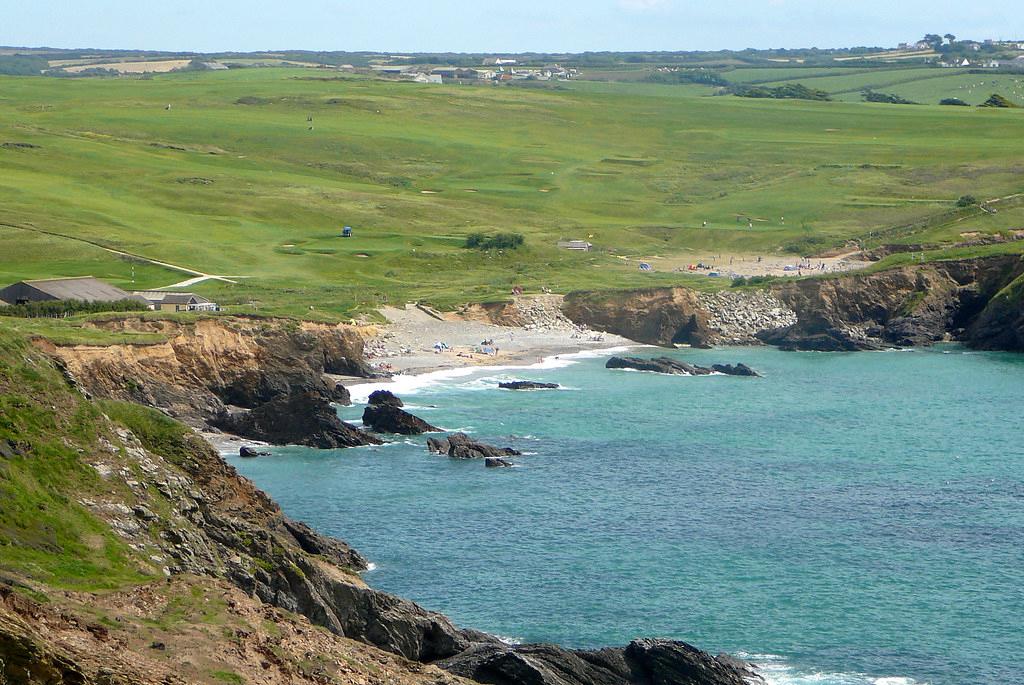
{"x":207,"y":365}
{"x":906,"y":306}
{"x":969,"y":300}
{"x":656,"y":316}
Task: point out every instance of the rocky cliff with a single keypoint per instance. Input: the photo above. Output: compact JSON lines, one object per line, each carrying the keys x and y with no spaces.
{"x":204,"y":367}
{"x":977,"y":301}
{"x":203,"y":578}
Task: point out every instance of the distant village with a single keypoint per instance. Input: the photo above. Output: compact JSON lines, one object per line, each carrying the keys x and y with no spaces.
{"x":494,"y":70}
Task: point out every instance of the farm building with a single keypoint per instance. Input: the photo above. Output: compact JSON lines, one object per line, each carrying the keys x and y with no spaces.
{"x":163,"y":301}
{"x":85,"y":288}
{"x":428,"y":78}
{"x":581,"y":245}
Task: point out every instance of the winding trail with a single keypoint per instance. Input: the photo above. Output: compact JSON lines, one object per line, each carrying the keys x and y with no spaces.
{"x":197,"y":276}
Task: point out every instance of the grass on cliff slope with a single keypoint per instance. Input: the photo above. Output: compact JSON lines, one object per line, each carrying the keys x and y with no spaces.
{"x":234,"y":180}
{"x":48,"y":432}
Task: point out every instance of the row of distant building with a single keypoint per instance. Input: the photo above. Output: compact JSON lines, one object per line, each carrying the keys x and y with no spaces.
{"x":970,"y":45}
{"x":504,"y":70}
{"x":985,"y":64}
{"x":89,"y":289}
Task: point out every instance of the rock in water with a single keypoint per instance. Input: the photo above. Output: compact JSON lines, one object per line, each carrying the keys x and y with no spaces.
{"x":657,"y":365}
{"x":737,"y":370}
{"x":527,"y":385}
{"x":384,"y":398}
{"x":461,"y":446}
{"x":497,"y":463}
{"x":249,"y":452}
{"x":677,"y":368}
{"x":642,"y":662}
{"x":301,"y":418}
{"x":388,"y":418}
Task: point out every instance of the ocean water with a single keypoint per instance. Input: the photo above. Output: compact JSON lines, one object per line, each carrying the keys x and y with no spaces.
{"x":846,"y":519}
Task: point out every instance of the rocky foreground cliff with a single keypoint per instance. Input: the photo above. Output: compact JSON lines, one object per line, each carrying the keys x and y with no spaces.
{"x":130,"y":552}
{"x":979,"y":302}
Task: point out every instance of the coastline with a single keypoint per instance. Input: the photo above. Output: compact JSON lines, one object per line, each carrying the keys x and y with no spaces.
{"x":415,"y":343}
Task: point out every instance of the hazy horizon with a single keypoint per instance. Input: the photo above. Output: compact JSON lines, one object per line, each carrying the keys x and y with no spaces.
{"x":528,"y":26}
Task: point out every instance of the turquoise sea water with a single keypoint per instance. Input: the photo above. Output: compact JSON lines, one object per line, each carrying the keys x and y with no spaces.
{"x":847,"y":519}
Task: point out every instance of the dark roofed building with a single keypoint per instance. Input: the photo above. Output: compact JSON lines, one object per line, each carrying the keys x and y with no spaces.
{"x":165,"y":301}
{"x":85,"y":289}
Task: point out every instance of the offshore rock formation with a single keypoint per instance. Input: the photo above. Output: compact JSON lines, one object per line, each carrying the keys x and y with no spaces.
{"x":299,"y":418}
{"x":384,"y":415}
{"x":527,"y":385}
{"x":977,"y":301}
{"x":642,"y":662}
{"x":675,"y":367}
{"x":461,"y":446}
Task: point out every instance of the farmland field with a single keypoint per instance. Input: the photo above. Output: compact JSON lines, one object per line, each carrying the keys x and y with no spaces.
{"x":770,"y":74}
{"x":223,"y":173}
{"x":877,"y":79}
{"x":971,"y":88}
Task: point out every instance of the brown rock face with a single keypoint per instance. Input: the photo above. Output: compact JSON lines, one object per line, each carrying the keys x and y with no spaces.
{"x":968,"y":300}
{"x":657,"y":316}
{"x":208,"y":364}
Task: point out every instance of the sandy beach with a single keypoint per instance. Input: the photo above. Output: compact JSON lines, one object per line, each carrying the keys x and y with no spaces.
{"x":734,"y":266}
{"x":417,"y":341}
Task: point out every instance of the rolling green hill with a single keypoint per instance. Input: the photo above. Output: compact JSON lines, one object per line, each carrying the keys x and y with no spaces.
{"x":233,"y":180}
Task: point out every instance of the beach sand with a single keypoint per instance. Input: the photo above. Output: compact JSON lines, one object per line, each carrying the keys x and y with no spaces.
{"x":406,"y":345}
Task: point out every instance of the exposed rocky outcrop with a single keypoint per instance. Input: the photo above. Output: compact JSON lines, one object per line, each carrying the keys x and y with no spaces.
{"x":299,"y":418}
{"x":384,"y":414}
{"x":248,"y":452}
{"x":208,"y":364}
{"x":497,"y":463}
{"x":657,"y":365}
{"x":527,"y":385}
{"x":735,"y":370}
{"x":384,"y":398}
{"x":461,"y":446}
{"x":968,"y":300}
{"x":387,"y":418}
{"x":657,"y":316}
{"x":1000,"y":326}
{"x":642,"y":662}
{"x":676,"y":367}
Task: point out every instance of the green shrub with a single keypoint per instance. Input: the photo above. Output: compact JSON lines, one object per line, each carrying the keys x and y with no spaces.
{"x":967,"y":201}
{"x":500,"y":241}
{"x":887,"y":98}
{"x":58,"y":309}
{"x":789,"y":91}
{"x":685,"y":76}
{"x":997,"y":100}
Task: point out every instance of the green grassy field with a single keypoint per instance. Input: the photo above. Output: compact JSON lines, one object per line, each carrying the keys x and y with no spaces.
{"x":231,"y":180}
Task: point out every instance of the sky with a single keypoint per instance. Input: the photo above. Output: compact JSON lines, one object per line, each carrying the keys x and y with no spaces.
{"x":489,"y":26}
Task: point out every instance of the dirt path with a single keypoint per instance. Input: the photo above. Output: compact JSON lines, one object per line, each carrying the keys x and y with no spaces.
{"x":197,"y":276}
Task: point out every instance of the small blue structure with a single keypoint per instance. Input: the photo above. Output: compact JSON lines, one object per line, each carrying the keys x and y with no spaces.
{"x":346,"y":232}
{"x":644,"y":266}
